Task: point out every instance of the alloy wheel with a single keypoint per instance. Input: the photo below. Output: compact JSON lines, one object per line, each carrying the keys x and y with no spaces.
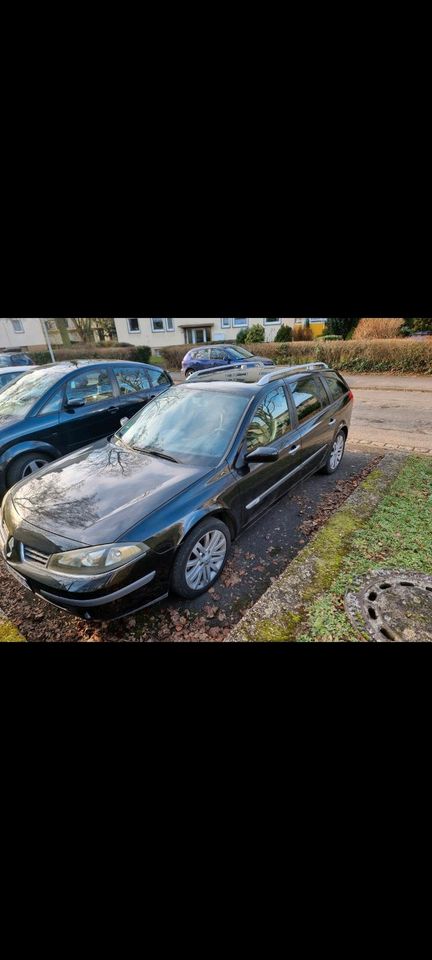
{"x":205,"y":560}
{"x":337,"y":452}
{"x":33,"y":467}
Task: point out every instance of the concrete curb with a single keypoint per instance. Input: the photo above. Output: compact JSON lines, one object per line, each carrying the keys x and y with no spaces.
{"x":8,"y":632}
{"x":279,"y":611}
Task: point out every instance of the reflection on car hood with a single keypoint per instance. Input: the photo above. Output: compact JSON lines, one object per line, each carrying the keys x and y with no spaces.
{"x":7,"y":420}
{"x":97,"y":494}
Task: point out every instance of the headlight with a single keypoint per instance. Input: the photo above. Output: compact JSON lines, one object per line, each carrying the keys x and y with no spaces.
{"x":97,"y":559}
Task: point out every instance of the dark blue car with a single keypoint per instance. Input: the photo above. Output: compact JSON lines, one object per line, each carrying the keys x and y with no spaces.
{"x":205,"y":358}
{"x":58,"y":408}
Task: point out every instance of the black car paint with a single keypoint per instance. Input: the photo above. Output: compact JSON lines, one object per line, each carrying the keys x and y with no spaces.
{"x":58,"y":433}
{"x":111,"y":505}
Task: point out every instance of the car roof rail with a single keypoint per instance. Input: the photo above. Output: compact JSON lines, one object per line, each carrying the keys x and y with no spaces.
{"x":289,"y":371}
{"x":248,"y":372}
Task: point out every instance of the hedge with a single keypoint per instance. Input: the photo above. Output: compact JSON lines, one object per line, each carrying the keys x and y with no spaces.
{"x":354,"y":356}
{"x":140,"y":354}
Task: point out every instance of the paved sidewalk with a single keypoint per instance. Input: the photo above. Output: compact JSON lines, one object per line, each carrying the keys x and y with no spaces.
{"x":386,"y":381}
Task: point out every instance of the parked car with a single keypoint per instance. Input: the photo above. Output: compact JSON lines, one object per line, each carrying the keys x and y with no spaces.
{"x":111,"y":529}
{"x":16,"y":360}
{"x":206,"y":358}
{"x":58,"y":408}
{"x":10,"y":374}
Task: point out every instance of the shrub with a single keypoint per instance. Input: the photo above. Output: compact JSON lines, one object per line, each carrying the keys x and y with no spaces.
{"x":255,"y":334}
{"x":341,"y":326}
{"x":421,"y":324}
{"x":142,"y":354}
{"x":301,"y":333}
{"x":41,"y":357}
{"x":241,"y":336}
{"x":329,"y":336}
{"x":378,"y":328}
{"x":284,"y":334}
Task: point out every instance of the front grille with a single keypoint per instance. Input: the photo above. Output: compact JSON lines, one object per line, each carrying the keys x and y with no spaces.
{"x":34,"y":556}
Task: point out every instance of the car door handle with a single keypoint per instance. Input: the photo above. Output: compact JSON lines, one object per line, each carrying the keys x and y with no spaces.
{"x":332,"y":422}
{"x":294,"y":450}
{"x":113,"y":409}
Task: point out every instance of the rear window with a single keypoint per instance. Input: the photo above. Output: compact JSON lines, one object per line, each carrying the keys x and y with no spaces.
{"x":309,"y":397}
{"x":158,"y":378}
{"x":336,"y":387}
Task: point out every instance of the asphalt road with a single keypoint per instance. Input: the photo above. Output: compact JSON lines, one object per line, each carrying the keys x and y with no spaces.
{"x":392,"y":412}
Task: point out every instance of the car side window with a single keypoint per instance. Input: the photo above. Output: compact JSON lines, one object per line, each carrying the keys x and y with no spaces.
{"x":158,"y":378}
{"x":90,"y":387}
{"x":131,"y":380}
{"x":309,"y":397}
{"x":216,"y":354}
{"x":271,"y":420}
{"x":336,"y":387}
{"x":203,"y":354}
{"x":52,"y":405}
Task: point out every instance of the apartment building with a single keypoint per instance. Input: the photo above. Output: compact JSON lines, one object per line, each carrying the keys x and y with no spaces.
{"x":158,"y":332}
{"x":21,"y":333}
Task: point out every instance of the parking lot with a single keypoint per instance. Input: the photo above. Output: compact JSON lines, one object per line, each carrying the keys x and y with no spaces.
{"x":258,"y":556}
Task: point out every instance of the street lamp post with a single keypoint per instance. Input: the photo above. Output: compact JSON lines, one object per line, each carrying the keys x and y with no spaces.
{"x":46,"y":334}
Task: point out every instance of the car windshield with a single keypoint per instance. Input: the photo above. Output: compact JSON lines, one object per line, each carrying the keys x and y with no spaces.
{"x":240,"y":353}
{"x":18,"y":398}
{"x":186,"y":424}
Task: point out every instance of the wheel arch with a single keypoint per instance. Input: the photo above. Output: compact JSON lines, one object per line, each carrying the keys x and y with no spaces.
{"x":27,"y":446}
{"x":218,"y":513}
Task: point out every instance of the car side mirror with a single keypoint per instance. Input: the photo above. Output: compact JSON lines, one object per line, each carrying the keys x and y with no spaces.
{"x":263,"y":455}
{"x":124,"y":421}
{"x":71,"y":404}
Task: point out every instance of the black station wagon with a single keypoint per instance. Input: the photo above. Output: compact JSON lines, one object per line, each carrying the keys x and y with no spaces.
{"x":112,"y":528}
{"x":58,"y":408}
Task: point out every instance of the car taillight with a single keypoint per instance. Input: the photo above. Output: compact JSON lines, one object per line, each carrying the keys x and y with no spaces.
{"x":350,"y":395}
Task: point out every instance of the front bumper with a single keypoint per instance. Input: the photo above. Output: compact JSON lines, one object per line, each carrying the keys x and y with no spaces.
{"x":105,"y":597}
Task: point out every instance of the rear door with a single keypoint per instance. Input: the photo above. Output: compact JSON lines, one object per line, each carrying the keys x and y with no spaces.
{"x":96,"y":413}
{"x":314,"y":420}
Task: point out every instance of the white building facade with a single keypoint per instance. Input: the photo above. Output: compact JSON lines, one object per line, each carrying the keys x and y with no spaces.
{"x":156,"y":332}
{"x":21,"y":332}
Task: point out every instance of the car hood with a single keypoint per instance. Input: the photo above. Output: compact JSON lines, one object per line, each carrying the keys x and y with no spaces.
{"x":97,"y":494}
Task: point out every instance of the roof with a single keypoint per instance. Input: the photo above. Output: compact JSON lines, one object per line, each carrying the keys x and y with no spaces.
{"x":16,"y":369}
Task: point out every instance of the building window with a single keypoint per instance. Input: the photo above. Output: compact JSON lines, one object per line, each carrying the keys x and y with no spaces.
{"x":269,"y":320}
{"x":158,"y":324}
{"x":240,"y":321}
{"x":133,"y":326}
{"x":162,"y":324}
{"x":18,"y":326}
{"x":225,"y":322}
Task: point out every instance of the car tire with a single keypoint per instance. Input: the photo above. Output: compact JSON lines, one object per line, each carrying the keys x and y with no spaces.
{"x":25,"y":466}
{"x":188,"y":569}
{"x":336,"y":454}
{"x":188,"y":373}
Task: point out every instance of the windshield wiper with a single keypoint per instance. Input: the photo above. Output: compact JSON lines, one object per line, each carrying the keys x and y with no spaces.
{"x":155,"y":453}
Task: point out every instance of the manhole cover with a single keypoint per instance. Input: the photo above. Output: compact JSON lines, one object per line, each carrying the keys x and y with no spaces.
{"x":392,"y":605}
